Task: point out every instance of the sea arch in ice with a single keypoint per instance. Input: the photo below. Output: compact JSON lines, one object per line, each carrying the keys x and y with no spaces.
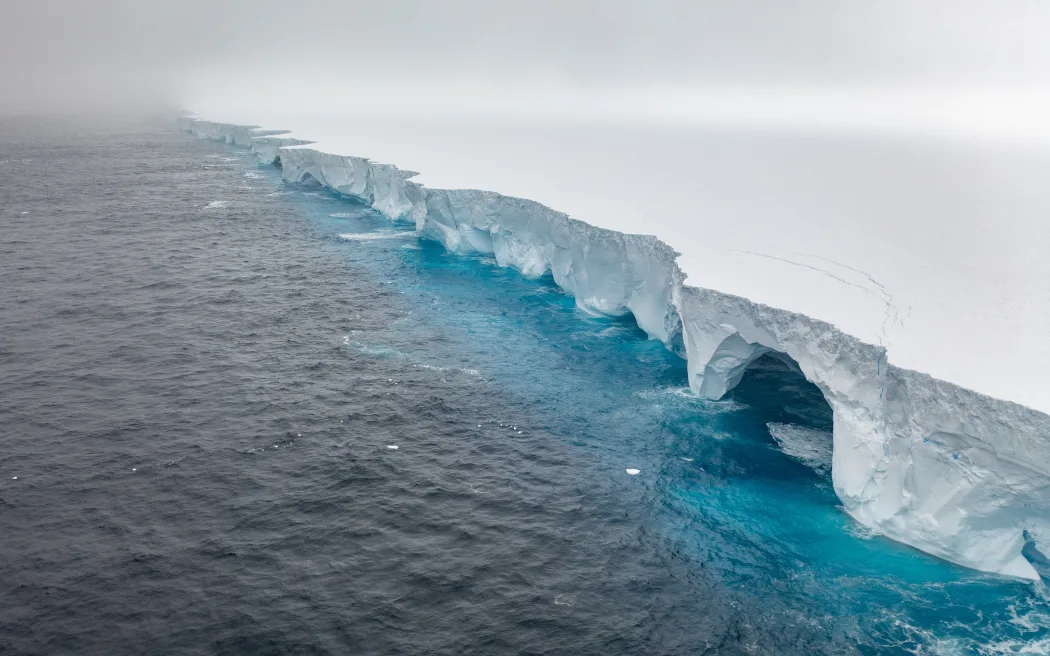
{"x":911,"y":458}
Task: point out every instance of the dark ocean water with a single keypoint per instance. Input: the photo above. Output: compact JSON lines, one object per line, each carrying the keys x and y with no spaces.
{"x":201,"y":380}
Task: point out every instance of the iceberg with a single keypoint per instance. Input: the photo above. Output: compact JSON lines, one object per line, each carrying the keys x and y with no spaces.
{"x":951,"y":471}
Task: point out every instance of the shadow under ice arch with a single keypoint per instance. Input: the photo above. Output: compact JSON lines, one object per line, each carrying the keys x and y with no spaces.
{"x":306,"y":178}
{"x":944,"y":469}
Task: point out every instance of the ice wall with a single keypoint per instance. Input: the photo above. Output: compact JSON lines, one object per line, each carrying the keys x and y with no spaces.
{"x":949,"y":471}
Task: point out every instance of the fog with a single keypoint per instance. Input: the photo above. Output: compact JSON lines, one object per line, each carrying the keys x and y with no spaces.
{"x":974,"y":65}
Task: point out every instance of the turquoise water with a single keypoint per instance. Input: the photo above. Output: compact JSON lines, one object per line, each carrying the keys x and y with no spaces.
{"x":722,"y":494}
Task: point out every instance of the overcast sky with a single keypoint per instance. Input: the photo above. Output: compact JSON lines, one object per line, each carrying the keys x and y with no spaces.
{"x":73,"y":54}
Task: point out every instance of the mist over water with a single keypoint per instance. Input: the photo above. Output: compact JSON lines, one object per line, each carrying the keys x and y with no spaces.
{"x":969,"y":70}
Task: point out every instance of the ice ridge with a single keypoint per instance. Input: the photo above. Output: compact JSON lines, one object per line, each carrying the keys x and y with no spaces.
{"x":949,"y":471}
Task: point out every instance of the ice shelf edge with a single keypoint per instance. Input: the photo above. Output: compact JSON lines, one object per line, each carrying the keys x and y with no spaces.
{"x":949,"y":471}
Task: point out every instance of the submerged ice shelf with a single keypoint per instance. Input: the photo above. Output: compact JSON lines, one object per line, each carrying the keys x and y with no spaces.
{"x":950,"y":471}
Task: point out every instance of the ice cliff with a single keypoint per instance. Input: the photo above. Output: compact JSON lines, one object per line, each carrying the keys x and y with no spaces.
{"x":957,"y":474}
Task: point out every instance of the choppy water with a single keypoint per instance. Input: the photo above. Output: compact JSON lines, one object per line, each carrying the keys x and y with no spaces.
{"x":203,"y":371}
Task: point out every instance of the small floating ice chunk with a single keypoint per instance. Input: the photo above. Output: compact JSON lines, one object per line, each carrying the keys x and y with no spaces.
{"x":375,"y":236}
{"x":134,"y":469}
{"x":633,"y":472}
{"x":392,"y":447}
{"x":14,"y":478}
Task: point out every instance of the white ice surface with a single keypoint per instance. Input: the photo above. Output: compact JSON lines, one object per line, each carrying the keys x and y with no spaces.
{"x":934,"y":250}
{"x":949,"y":239}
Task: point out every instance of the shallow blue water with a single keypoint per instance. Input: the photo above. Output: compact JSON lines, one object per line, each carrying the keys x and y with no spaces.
{"x":200,"y":382}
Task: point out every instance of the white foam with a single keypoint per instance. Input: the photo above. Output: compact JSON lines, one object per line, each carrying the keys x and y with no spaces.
{"x":862,"y":532}
{"x":613,"y":331}
{"x":216,"y":204}
{"x":813,"y":447}
{"x":1039,"y":647}
{"x":464,"y":370}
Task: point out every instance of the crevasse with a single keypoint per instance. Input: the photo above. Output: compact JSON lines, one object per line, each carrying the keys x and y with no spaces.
{"x":944,"y":469}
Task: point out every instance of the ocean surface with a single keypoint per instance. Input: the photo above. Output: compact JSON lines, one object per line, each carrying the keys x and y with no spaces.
{"x":205,"y":371}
